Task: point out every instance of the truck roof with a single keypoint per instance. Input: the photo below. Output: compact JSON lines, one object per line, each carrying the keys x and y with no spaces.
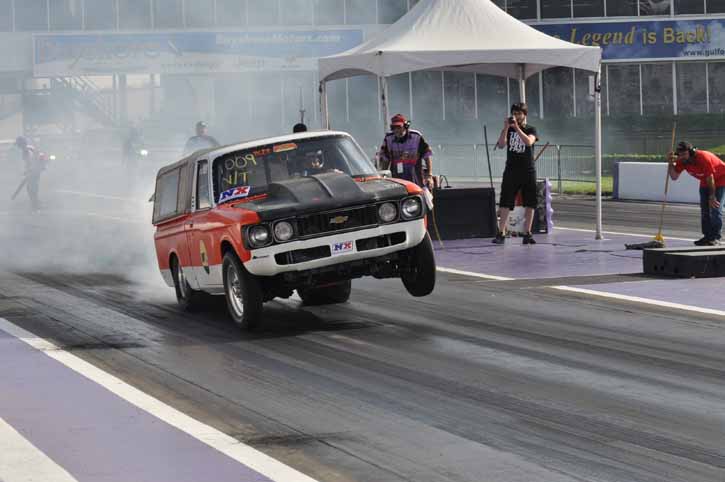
{"x":215,"y":152}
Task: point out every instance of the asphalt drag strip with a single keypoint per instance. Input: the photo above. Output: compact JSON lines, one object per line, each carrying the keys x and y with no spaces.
{"x":479,"y":381}
{"x":116,"y":439}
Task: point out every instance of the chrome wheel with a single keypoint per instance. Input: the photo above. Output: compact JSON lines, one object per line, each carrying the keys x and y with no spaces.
{"x":234,"y":291}
{"x":242,"y":291}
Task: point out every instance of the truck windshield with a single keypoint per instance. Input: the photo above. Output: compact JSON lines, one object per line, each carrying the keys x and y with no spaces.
{"x":249,"y":171}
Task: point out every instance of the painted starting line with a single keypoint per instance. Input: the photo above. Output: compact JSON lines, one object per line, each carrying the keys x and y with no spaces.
{"x":30,"y":375}
{"x":598,"y":293}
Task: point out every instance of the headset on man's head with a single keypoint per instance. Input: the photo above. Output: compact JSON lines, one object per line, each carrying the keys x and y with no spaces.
{"x":686,"y":146}
{"x":398,"y":118}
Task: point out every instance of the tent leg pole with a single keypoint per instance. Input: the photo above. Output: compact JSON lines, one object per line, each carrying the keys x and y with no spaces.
{"x":598,"y":151}
{"x":384,"y":103}
{"x":324,"y":113}
{"x":522,"y":83}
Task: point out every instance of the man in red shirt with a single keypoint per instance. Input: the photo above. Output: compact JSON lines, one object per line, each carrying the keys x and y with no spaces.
{"x":710,"y":170}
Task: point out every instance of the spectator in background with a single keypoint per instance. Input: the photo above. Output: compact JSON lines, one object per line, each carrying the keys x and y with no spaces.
{"x":299,"y":127}
{"x":34,"y":165}
{"x":132,"y":145}
{"x":201,"y":140}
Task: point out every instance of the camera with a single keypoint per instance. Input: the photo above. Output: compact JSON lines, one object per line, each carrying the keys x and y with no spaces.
{"x":511,"y":120}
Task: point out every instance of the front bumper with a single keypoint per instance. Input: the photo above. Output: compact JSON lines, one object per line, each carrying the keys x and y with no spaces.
{"x":335,"y":249}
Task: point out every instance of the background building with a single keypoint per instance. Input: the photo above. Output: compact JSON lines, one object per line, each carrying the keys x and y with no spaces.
{"x":248,"y":68}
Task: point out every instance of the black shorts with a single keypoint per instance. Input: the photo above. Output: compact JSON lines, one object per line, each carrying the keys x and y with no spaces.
{"x":515,"y":181}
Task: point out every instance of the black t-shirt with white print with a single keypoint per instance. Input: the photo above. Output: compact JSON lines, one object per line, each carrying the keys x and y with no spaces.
{"x":519,"y":156}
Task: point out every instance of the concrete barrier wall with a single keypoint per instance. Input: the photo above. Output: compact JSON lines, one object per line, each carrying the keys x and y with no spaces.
{"x":645,"y":181}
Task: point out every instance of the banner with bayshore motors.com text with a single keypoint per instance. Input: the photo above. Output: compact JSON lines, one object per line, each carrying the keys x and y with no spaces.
{"x":187,"y":52}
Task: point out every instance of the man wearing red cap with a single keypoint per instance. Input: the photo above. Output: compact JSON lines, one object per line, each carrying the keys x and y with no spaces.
{"x":405,"y":153}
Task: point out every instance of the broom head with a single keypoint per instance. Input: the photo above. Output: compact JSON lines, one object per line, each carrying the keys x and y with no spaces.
{"x":655,"y":243}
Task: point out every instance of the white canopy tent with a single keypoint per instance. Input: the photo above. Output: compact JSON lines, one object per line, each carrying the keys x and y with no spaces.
{"x":466,"y":36}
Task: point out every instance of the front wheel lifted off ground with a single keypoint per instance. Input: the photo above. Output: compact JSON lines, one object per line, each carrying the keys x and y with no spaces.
{"x":242,"y":292}
{"x":419,"y":271}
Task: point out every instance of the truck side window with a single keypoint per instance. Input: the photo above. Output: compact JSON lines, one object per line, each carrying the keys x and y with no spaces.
{"x":203,"y":197}
{"x":167,"y":193}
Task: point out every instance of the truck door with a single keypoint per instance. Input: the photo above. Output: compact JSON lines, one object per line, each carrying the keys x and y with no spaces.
{"x":199,"y":228}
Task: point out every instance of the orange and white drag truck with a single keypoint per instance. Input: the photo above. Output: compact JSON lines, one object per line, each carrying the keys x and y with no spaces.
{"x":306,"y":212}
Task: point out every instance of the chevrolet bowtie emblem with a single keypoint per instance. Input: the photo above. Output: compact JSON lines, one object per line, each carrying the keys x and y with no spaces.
{"x":339,"y":219}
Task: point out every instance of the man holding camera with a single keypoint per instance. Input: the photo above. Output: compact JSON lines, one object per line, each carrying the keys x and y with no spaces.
{"x":406,"y":153}
{"x":710,"y":170}
{"x":520,"y":173}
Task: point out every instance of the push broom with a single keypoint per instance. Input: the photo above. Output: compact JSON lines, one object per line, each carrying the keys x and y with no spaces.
{"x":659,"y":240}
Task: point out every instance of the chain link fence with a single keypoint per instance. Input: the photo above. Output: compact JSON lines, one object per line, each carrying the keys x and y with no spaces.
{"x":470,"y":163}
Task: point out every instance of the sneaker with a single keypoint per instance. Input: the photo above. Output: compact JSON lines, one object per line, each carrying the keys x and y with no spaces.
{"x":499,"y":239}
{"x":702,"y":242}
{"x":528,"y":238}
{"x":710,"y":242}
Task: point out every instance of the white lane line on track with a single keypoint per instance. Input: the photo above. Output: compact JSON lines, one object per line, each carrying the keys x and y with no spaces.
{"x":603,"y":294}
{"x":100,"y":196}
{"x":60,"y":212}
{"x":21,"y":461}
{"x":474,"y":275}
{"x":231,"y":447}
{"x":581,"y":230}
{"x":637,"y":299}
{"x":115,"y":218}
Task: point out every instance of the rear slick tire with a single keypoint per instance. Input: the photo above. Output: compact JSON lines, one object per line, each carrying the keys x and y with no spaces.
{"x":187,"y":297}
{"x":419,"y":274}
{"x":242,"y":292}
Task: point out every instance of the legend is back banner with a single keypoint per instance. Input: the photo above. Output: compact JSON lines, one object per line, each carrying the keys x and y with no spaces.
{"x":650,"y":40}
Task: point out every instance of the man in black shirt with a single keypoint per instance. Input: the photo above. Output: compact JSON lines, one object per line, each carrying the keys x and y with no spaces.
{"x":520,"y":173}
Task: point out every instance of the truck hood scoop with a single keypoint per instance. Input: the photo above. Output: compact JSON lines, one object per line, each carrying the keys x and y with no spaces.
{"x":321,"y":192}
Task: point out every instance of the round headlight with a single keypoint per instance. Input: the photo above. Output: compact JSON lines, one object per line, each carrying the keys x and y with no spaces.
{"x":412,"y":208}
{"x":143,"y":152}
{"x":387,"y":212}
{"x":259,"y":235}
{"x":283,"y":231}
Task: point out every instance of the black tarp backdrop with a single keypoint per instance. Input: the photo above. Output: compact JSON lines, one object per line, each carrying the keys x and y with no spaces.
{"x":462,"y":213}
